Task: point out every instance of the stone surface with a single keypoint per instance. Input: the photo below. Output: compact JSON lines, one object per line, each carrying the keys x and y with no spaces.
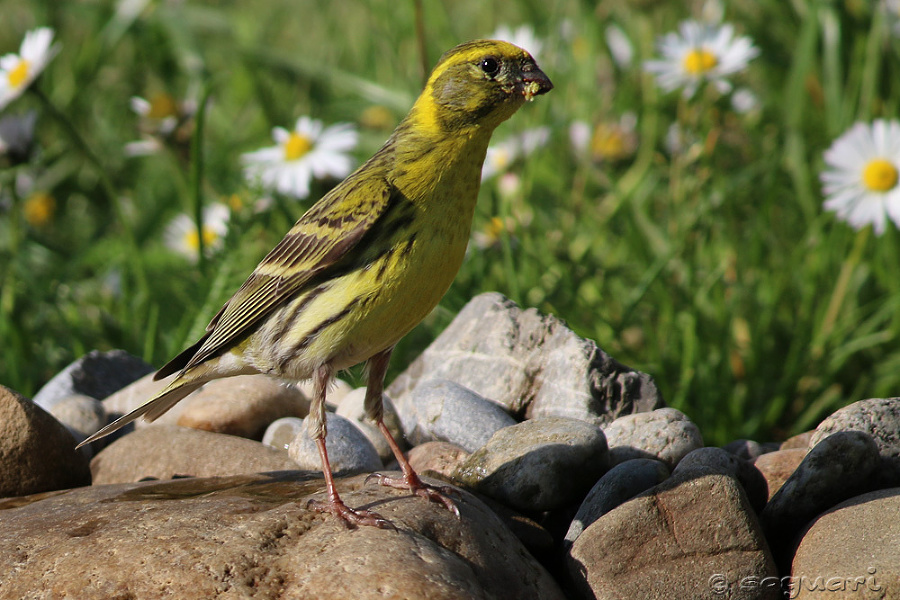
{"x":352,"y":407}
{"x":801,"y":440}
{"x":253,"y":537}
{"x":717,"y":460}
{"x":37,"y":452}
{"x":440,"y":458}
{"x":540,"y":464}
{"x":851,"y":551}
{"x":281,"y":432}
{"x":243,"y":406}
{"x":96,"y":374}
{"x":776,"y":467}
{"x":442,"y":410}
{"x":665,"y":434}
{"x":880,"y":418}
{"x":81,"y":414}
{"x":349,"y":450}
{"x":333,"y":397}
{"x":530,"y":363}
{"x":692,"y":536}
{"x":621,"y":483}
{"x":131,"y":396}
{"x":749,"y":449}
{"x":839,"y":467}
{"x":166,"y":451}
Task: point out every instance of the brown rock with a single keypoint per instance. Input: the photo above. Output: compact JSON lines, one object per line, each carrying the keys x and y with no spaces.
{"x":243,"y":406}
{"x":252,"y":537}
{"x":437,"y":457}
{"x":851,"y":551}
{"x":777,"y":466}
{"x":130,"y":397}
{"x":163,"y":451}
{"x":801,"y":440}
{"x":37,"y":452}
{"x":671,"y":541}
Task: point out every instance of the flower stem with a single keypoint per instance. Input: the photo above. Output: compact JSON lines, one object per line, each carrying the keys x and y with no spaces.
{"x":840,"y":292}
{"x":197,"y":176}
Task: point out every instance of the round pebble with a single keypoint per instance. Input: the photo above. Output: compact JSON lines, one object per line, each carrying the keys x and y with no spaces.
{"x":352,"y":407}
{"x":281,"y":432}
{"x":665,"y":434}
{"x":349,"y":450}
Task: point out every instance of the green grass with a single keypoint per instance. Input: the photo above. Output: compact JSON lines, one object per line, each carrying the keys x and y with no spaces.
{"x":714,"y":269}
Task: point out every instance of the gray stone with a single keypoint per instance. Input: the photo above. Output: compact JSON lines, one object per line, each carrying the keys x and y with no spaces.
{"x":281,"y":432}
{"x":665,"y":434}
{"x":717,"y":460}
{"x":880,"y":418}
{"x":441,"y":410}
{"x":620,"y":484}
{"x":750,"y":449}
{"x":167,"y":451}
{"x":540,"y":464}
{"x":252,"y":536}
{"x":349,"y":450}
{"x":96,"y":374}
{"x":689,"y":537}
{"x":243,"y":406}
{"x":81,"y":414}
{"x":530,"y":363}
{"x":839,"y":467}
{"x":37,"y":452}
{"x":852,"y":551}
{"x":352,"y":407}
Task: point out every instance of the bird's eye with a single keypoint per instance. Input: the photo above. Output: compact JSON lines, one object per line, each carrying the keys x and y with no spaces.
{"x":490,"y":65}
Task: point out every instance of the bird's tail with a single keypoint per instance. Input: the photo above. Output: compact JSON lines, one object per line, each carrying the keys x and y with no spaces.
{"x":152,"y":408}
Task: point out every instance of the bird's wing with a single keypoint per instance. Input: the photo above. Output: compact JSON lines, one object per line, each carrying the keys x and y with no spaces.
{"x":318,"y":240}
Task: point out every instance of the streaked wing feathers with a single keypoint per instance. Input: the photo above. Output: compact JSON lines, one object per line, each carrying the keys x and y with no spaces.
{"x":318,"y":240}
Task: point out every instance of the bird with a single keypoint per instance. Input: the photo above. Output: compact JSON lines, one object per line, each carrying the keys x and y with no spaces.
{"x":367,"y":262}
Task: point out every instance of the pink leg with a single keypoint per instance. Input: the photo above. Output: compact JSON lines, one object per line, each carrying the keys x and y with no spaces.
{"x":334,"y":504}
{"x":377,"y":367}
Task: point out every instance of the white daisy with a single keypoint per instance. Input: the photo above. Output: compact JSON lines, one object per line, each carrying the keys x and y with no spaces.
{"x":17,"y":71}
{"x":861,"y":179}
{"x":309,"y":151}
{"x":181,"y":233}
{"x":502,"y":155}
{"x":700,"y":52}
{"x":619,"y":46}
{"x":522,"y":36}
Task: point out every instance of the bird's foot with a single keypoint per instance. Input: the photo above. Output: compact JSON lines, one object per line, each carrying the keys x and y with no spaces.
{"x":350,"y":517}
{"x":415,"y":485}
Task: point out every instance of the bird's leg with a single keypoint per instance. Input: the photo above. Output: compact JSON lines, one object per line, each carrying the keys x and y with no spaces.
{"x":318,"y":430}
{"x":374,"y":404}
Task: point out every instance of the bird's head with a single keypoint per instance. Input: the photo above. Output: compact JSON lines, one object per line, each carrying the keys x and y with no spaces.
{"x":480,"y":83}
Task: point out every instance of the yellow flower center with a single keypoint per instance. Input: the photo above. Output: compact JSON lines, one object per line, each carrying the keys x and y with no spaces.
{"x":296,"y":146}
{"x":192,"y":240}
{"x":19,"y":74}
{"x":699,"y":60}
{"x":880,"y":175}
{"x":39,"y":209}
{"x":608,"y":143}
{"x":162,"y":106}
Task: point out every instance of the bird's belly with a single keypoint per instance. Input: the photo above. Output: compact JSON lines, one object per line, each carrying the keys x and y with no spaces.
{"x":347,"y":319}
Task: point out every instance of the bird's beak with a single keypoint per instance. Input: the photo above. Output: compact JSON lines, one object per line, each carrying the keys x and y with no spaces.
{"x":534,"y":82}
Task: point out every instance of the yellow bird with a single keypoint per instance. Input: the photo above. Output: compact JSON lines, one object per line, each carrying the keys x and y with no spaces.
{"x":368,"y":261}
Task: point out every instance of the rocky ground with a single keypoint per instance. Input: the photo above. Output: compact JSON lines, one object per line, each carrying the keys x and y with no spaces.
{"x":572,"y":477}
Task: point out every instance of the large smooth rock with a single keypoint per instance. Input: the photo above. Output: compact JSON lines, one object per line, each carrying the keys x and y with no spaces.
{"x":530,"y":363}
{"x":693,"y":536}
{"x":244,"y":405}
{"x":540,"y":464}
{"x":852,"y":551}
{"x":353,"y":408}
{"x":837,"y":468}
{"x":253,"y":537}
{"x":37,"y":452}
{"x":96,"y":374}
{"x":349,"y":450}
{"x":166,"y":451}
{"x":439,"y":410}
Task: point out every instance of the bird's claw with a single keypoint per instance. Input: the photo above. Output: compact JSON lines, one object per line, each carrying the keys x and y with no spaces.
{"x":440,"y":494}
{"x":350,"y":517}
